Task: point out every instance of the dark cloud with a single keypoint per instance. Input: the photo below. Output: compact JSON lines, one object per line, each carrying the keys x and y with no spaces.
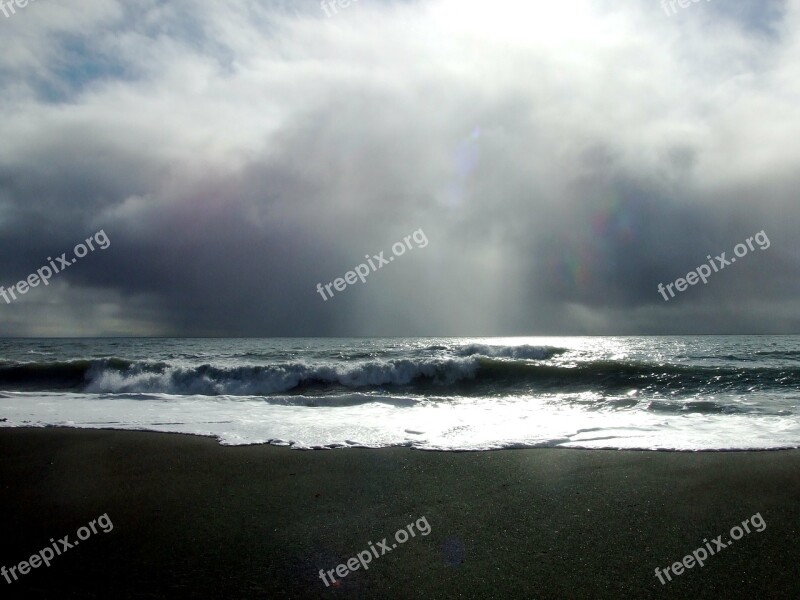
{"x":562,"y":160}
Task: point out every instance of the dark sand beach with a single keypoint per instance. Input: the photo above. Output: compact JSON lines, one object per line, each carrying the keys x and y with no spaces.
{"x":193,"y":519}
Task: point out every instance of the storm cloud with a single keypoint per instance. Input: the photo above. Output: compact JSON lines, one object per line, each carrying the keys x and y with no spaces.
{"x":563,"y":159}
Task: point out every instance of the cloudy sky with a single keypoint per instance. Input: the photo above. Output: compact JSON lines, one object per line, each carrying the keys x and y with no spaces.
{"x":562,"y":158}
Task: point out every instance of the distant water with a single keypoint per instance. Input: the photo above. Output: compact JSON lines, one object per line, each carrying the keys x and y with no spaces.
{"x":680,"y":393}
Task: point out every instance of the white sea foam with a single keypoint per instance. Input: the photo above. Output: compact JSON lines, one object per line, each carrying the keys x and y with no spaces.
{"x":381,"y":421}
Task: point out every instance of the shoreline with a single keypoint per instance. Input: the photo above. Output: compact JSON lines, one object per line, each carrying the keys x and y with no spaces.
{"x":194,"y":518}
{"x":340,"y":446}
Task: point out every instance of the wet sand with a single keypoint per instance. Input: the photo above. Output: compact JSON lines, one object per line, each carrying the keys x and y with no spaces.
{"x":193,"y":519}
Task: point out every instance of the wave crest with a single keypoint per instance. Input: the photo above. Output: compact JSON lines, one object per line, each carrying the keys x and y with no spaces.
{"x":279,"y":378}
{"x":510,"y":370}
{"x":522,"y":352}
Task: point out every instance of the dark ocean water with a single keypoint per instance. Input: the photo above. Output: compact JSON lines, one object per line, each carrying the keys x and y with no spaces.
{"x":697,"y":392}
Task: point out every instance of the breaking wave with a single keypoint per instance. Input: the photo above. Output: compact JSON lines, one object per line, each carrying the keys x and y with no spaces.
{"x":477,"y":369}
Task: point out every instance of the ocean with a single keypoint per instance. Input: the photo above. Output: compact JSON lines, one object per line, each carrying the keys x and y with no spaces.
{"x":453,"y":394}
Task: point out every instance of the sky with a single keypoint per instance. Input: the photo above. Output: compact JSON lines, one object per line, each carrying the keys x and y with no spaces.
{"x":562,"y":159}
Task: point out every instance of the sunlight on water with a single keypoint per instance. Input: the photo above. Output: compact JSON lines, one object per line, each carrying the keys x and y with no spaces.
{"x":433,"y":393}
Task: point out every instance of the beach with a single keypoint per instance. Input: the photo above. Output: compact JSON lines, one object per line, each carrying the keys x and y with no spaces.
{"x":193,"y":519}
{"x":399,"y":300}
